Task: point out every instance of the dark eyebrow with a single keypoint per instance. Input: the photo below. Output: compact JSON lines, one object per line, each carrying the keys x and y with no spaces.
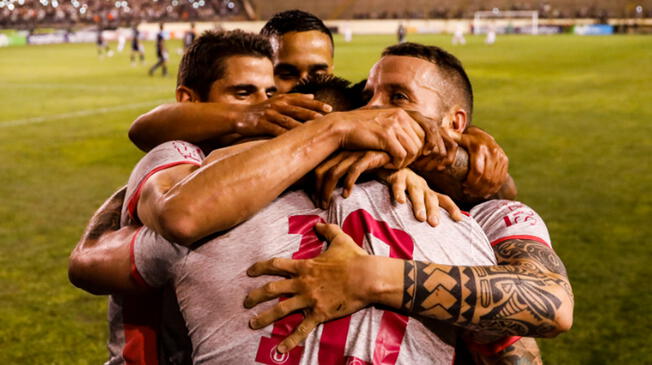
{"x":285,"y":67}
{"x":243,"y":87}
{"x":318,"y":67}
{"x":399,"y":87}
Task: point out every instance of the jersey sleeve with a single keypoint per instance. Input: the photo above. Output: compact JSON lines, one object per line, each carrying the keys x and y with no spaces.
{"x":162,"y":157}
{"x":153,"y":258}
{"x":503,"y":220}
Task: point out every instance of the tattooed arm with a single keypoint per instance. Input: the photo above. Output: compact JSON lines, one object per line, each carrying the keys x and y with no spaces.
{"x":530,"y":296}
{"x":527,"y":294}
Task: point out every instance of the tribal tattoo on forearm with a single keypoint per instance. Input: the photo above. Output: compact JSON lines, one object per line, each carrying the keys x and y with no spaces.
{"x":520,"y":296}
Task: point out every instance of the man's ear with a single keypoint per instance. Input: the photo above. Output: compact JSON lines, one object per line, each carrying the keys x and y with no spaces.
{"x":458,"y":119}
{"x":184,"y":93}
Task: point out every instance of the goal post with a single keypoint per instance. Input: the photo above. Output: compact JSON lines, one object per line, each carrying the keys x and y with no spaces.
{"x":506,"y":21}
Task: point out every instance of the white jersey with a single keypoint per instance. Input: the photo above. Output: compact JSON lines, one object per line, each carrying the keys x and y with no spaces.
{"x":211,"y":281}
{"x":134,"y":321}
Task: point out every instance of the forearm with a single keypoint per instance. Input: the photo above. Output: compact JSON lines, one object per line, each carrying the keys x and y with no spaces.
{"x":100,"y":262}
{"x":103,"y":266}
{"x":501,"y":300}
{"x":227,"y":191}
{"x":523,"y":352}
{"x":187,"y":121}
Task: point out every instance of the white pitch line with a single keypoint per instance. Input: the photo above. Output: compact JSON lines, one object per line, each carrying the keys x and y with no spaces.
{"x":78,"y":86}
{"x":80,"y":113}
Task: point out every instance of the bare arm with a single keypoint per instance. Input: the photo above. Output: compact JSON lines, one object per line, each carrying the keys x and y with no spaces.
{"x":100,"y":263}
{"x":528,"y":294}
{"x":185,"y":205}
{"x":523,"y":352}
{"x":209,"y":123}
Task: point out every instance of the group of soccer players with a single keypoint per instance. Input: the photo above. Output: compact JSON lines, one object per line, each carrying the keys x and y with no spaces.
{"x":240,"y":181}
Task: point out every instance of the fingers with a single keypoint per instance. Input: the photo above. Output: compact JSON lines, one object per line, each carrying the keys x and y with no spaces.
{"x":278,"y":311}
{"x":287,"y":122}
{"x":369,"y":161}
{"x":333,"y":175}
{"x":430,"y":130}
{"x":398,"y":190}
{"x":432,"y":207}
{"x":272,"y":129}
{"x":398,"y":153}
{"x":299,"y":335}
{"x":449,"y":205}
{"x":276,"y":266}
{"x":307,"y":101}
{"x":321,"y":174}
{"x":451,"y":150}
{"x":418,"y":202}
{"x":296,"y":112}
{"x":271,"y":290}
{"x":328,"y":231}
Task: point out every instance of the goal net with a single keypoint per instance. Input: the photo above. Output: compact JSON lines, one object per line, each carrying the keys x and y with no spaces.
{"x":506,"y":21}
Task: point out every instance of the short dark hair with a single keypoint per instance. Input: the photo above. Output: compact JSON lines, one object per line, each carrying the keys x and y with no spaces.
{"x":203,"y":62}
{"x":448,"y":64}
{"x":294,"y":21}
{"x":332,"y":90}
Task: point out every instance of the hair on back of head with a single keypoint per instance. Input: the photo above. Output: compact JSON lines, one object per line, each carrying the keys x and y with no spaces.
{"x":294,"y":21}
{"x":203,"y":63}
{"x":332,"y":90}
{"x":449,"y":65}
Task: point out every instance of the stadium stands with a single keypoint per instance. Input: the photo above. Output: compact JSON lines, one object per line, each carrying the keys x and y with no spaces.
{"x":28,"y":14}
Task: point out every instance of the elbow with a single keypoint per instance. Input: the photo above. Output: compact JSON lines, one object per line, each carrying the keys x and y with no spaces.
{"x":80,"y":267}
{"x":564,"y":315}
{"x":137,"y":131}
{"x":178,"y":225}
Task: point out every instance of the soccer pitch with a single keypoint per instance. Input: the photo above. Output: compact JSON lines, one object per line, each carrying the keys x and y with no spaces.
{"x":574,"y":114}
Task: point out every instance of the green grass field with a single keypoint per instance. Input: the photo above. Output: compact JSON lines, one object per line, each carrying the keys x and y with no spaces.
{"x":573,"y":113}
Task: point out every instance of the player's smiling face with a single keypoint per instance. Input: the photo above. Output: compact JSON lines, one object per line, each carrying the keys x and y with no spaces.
{"x":406,"y":82}
{"x":300,"y":54}
{"x":247,"y":80}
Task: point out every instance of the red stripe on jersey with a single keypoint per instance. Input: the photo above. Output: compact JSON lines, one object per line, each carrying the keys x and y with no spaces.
{"x":493,"y":348}
{"x":520,"y":237}
{"x":133,"y":201}
{"x":141,"y":316}
{"x":133,"y":272}
{"x":465,"y":213}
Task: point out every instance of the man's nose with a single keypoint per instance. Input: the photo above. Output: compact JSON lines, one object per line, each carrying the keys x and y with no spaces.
{"x":260,"y":96}
{"x":375,"y":102}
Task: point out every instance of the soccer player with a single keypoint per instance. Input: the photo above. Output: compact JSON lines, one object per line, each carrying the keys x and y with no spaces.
{"x":161,"y":53}
{"x":136,"y":47}
{"x":189,"y":36}
{"x":102,"y":45}
{"x":401,"y":32}
{"x":303,"y":46}
{"x":497,"y":300}
{"x":254,"y":161}
{"x":233,"y":67}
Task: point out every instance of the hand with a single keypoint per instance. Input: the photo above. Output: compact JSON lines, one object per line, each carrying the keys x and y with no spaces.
{"x":425,"y":201}
{"x":279,"y":114}
{"x":439,"y":145}
{"x":390,"y":130}
{"x":325,"y":288}
{"x":349,"y":163}
{"x":488,"y":164}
